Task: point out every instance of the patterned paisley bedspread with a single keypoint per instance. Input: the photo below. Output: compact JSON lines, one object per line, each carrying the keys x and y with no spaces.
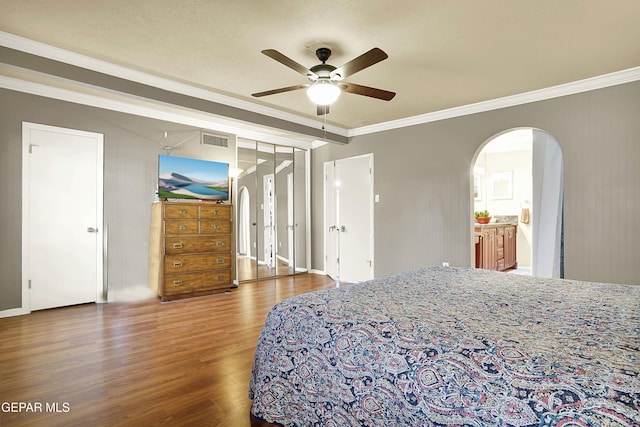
{"x":452,"y":346}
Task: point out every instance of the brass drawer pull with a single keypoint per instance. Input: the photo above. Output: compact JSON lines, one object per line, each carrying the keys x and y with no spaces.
{"x":183,"y":211}
{"x":216,"y":226}
{"x":215,"y":212}
{"x":177,"y":283}
{"x":221,"y":277}
{"x":219,"y":243}
{"x":177,"y":263}
{"x":220,"y":260}
{"x":178,"y":246}
{"x":182,"y":227}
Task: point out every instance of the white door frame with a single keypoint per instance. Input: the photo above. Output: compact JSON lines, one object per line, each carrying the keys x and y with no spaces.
{"x":26,"y":130}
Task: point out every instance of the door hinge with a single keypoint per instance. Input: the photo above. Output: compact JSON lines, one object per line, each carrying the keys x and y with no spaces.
{"x":31,"y":147}
{"x":29,"y":283}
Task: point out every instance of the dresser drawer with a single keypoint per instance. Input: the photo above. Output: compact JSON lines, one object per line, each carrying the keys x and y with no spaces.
{"x":187,"y":226}
{"x":188,"y":282}
{"x":181,"y":211}
{"x":196,"y":244}
{"x":499,"y":253}
{"x":215,"y":212}
{"x":199,"y":262}
{"x":210,"y":226}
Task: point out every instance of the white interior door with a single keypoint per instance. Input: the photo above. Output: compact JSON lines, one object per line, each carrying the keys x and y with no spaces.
{"x":350,"y":231}
{"x":62,"y":216}
{"x":332,"y":237}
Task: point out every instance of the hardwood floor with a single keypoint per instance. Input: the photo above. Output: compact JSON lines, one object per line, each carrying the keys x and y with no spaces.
{"x":249,"y":270}
{"x":181,"y":363}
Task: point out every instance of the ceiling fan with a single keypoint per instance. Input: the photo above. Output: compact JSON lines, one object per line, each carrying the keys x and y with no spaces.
{"x":326,"y":81}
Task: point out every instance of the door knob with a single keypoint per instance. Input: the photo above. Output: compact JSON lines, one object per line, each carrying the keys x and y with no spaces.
{"x":92,"y":230}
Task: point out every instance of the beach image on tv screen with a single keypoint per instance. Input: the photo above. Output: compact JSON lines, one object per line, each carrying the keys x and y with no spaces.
{"x":183,"y":178}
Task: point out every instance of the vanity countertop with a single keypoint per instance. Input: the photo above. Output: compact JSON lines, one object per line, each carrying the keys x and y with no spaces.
{"x":494,"y":224}
{"x":500,"y":221}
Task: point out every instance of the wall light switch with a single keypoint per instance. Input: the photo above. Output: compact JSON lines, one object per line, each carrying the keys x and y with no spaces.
{"x":377,"y":198}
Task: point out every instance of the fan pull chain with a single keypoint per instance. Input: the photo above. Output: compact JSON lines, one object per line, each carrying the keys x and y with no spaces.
{"x":324,"y":123}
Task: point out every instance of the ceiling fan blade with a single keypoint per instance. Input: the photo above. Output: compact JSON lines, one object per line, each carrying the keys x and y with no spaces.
{"x":323,"y":109}
{"x":285,"y":60}
{"x":281,"y":90}
{"x":363,"y":61}
{"x":367,"y":91}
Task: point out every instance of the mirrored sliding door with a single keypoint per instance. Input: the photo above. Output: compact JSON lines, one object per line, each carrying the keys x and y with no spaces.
{"x":245,"y":202}
{"x":285,"y":226}
{"x":266,"y":210}
{"x":301,"y":215}
{"x":271,"y":210}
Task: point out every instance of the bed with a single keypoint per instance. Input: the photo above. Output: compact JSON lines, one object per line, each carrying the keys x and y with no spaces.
{"x":452,"y":346}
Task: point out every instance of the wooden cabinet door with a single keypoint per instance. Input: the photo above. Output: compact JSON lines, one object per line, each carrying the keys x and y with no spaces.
{"x":489,"y":249}
{"x":510,"y":247}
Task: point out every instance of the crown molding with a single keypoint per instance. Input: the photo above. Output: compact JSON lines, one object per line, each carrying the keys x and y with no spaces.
{"x":126,"y":103}
{"x":72,"y":58}
{"x":58,"y":54}
{"x":606,"y":80}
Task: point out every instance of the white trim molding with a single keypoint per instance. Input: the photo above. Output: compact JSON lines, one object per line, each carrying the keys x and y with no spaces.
{"x":72,"y":58}
{"x":593,"y":83}
{"x":126,"y":103}
{"x":57,"y":54}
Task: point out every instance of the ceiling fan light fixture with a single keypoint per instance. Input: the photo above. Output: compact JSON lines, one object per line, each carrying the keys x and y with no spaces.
{"x":323,"y":92}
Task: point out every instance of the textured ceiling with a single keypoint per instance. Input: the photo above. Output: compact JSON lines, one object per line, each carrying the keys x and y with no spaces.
{"x":442,"y":54}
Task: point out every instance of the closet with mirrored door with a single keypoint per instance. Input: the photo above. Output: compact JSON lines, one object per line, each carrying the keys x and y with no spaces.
{"x":272,"y":210}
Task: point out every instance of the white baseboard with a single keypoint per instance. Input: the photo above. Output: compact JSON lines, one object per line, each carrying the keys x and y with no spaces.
{"x":13,"y":312}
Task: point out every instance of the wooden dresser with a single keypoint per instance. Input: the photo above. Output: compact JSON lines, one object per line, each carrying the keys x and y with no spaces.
{"x":191,"y":249}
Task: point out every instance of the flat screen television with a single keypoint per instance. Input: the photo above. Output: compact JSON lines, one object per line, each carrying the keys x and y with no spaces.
{"x":184,"y":178}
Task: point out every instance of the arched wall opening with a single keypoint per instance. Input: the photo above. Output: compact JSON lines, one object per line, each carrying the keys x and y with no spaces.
{"x":517,"y":175}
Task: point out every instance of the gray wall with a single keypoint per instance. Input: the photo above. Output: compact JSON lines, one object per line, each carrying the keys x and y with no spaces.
{"x":422,"y":174}
{"x":130,"y":181}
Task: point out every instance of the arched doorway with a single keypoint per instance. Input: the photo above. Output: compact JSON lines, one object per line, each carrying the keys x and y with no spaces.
{"x":517,"y":176}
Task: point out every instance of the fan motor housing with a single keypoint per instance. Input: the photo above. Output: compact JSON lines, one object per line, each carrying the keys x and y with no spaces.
{"x":322,"y":70}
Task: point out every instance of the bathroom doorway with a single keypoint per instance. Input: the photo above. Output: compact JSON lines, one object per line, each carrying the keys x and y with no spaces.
{"x":517,"y":176}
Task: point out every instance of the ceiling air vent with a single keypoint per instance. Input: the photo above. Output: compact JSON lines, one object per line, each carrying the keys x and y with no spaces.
{"x":211,"y":139}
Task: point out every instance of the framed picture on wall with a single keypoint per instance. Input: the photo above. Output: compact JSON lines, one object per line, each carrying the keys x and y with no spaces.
{"x":501,"y":185}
